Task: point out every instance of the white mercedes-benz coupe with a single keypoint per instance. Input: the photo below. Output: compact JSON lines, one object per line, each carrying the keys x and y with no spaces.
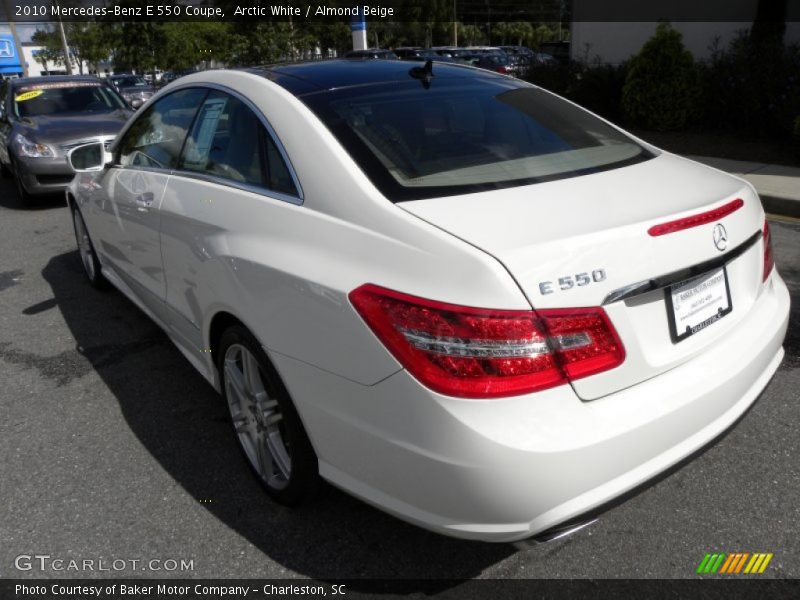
{"x":452,"y":294}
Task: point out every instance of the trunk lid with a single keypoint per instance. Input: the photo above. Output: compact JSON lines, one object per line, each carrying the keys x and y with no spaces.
{"x":592,"y":231}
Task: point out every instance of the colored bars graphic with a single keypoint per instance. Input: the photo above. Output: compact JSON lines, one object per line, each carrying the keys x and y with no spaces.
{"x":734,"y":563}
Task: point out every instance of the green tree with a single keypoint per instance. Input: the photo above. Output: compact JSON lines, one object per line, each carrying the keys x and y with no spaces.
{"x":520,"y":33}
{"x":430,"y":22}
{"x":470,"y":35}
{"x":51,"y":48}
{"x":136,"y":45}
{"x":661,"y":89}
{"x":334,"y":36}
{"x":186,"y":44}
{"x":87,"y":43}
{"x":260,"y":42}
{"x":542,"y":34}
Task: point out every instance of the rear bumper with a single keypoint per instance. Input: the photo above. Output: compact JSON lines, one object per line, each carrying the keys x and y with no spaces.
{"x":504,"y":470}
{"x":44,"y":175}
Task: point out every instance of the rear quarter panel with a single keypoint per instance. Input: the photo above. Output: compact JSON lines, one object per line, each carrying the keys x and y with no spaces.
{"x":285,"y":270}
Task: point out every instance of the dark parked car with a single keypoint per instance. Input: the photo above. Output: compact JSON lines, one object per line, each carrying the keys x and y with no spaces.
{"x":134,"y":88}
{"x":518,"y":51}
{"x":408,"y":52}
{"x":558,"y":50}
{"x":168,"y":77}
{"x":43,"y":118}
{"x":171,"y":76}
{"x":451,"y":51}
{"x":499,"y":63}
{"x":421,"y":55}
{"x":372,"y":53}
{"x":492,"y":50}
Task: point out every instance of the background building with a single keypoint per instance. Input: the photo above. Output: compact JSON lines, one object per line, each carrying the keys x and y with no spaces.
{"x":616,"y":42}
{"x":610,"y":32}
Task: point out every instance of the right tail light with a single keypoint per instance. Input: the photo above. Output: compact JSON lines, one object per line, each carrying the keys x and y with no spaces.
{"x":483,"y":353}
{"x":769,"y":260}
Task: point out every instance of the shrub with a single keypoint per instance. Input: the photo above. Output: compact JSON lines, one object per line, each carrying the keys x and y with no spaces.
{"x":598,"y":88}
{"x":753,"y":88}
{"x":561,"y":79}
{"x":661,"y":86}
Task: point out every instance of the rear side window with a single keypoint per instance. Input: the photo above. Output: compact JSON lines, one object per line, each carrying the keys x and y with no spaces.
{"x":458,"y":136}
{"x":229,"y":141}
{"x":156,"y":137}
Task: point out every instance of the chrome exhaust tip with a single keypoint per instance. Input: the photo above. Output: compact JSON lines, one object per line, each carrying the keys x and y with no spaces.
{"x":551,"y":535}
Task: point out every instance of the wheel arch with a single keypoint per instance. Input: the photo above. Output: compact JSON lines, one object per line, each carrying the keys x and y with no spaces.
{"x":221,"y":321}
{"x":218,"y":324}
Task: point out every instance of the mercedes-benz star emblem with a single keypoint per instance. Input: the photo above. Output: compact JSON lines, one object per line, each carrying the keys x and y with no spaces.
{"x":720,"y":237}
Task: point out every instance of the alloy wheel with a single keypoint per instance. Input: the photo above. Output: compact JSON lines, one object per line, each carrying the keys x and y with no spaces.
{"x":257,"y":417}
{"x":84,"y":246}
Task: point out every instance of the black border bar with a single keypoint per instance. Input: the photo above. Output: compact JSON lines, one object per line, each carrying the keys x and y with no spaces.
{"x":470,"y":12}
{"x":706,"y":586}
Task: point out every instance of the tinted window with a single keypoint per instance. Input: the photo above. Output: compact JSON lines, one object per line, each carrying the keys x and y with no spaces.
{"x":155,"y":139}
{"x":457,"y":136}
{"x":228,"y":140}
{"x":130,"y":82}
{"x":65,"y":97}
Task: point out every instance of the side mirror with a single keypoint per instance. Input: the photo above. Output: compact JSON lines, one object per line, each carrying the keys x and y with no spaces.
{"x":89,"y":157}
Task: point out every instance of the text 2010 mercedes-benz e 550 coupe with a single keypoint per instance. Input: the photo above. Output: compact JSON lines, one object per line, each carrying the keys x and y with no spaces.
{"x":453,"y":294}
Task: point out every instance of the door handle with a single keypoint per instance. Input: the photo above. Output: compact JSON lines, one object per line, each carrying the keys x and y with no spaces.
{"x":145,"y":200}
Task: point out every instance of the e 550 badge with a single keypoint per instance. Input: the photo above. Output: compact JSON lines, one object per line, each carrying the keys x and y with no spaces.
{"x":570,"y":281}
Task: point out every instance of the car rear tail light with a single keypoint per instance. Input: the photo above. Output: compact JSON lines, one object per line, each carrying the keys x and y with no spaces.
{"x":584,"y":340}
{"x":769,"y":260}
{"x":482,"y":353}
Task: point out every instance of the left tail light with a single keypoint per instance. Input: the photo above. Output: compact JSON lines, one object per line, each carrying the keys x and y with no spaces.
{"x":769,"y":260}
{"x":483,"y":353}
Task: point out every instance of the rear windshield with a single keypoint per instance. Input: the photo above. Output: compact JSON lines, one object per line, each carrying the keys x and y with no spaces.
{"x":61,"y":98}
{"x":459,"y":136}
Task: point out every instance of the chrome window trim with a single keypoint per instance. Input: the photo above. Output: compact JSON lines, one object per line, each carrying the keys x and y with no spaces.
{"x":264,"y":191}
{"x":166,"y":172}
{"x":663,"y":281}
{"x":247,"y":187}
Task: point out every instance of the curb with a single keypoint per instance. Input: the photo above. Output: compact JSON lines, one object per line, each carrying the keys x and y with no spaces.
{"x":784,"y":207}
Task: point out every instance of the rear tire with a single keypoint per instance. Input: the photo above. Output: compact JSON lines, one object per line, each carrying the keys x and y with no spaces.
{"x":265,"y":422}
{"x":91,"y":266}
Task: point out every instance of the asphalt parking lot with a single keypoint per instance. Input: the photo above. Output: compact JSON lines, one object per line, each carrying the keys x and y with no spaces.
{"x":113,"y":447}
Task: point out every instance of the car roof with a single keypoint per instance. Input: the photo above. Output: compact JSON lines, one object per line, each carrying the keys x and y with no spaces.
{"x":314,"y":76}
{"x":20,"y":81}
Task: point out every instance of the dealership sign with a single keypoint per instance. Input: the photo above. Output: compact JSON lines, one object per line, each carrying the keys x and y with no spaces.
{"x":9,"y":60}
{"x":6,"y":49}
